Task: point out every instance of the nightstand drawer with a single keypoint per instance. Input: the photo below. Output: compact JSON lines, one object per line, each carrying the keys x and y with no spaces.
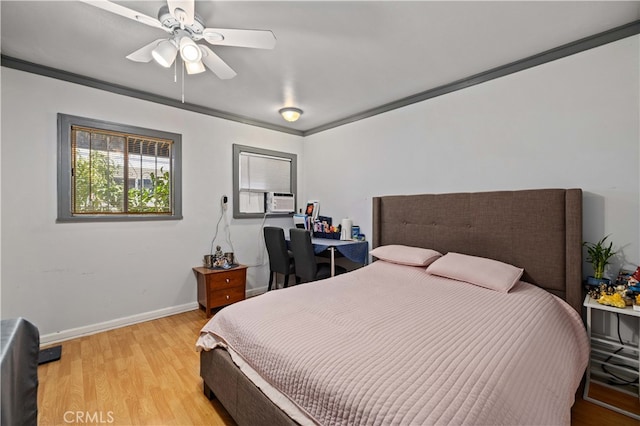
{"x":228,"y":279}
{"x":227,"y":296}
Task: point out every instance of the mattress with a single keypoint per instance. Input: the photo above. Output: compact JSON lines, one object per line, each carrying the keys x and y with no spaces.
{"x":392,"y":344}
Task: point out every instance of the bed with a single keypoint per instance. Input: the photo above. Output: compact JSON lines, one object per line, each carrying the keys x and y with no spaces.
{"x":393,"y":343}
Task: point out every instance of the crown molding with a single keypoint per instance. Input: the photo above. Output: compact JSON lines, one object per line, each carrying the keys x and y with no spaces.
{"x":600,"y":39}
{"x":560,"y":52}
{"x":19,"y":64}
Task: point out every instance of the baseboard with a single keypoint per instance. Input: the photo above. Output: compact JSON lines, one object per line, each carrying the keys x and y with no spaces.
{"x":61,"y":336}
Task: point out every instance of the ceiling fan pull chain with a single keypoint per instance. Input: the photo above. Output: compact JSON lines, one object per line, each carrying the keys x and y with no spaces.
{"x":182,"y":83}
{"x":175,"y":71}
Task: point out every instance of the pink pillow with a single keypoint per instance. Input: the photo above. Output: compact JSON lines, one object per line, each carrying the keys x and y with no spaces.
{"x":480,"y":271}
{"x":405,"y":255}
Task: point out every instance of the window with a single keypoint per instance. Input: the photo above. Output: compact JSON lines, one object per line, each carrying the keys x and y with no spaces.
{"x":257,"y":171}
{"x":114,"y":172}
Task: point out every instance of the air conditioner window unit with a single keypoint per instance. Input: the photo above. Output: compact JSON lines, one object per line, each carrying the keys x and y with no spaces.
{"x":279,"y":202}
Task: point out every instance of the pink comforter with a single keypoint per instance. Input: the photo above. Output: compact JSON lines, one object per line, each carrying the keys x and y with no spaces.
{"x":391,"y":344}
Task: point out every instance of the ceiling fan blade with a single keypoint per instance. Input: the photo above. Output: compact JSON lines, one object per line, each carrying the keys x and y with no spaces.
{"x":215,"y":64}
{"x":126,"y":12}
{"x":257,"y":39}
{"x":144,"y":53}
{"x":183,"y":10}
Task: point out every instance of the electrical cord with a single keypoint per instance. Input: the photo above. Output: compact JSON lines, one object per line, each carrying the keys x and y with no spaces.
{"x":227,"y":228}
{"x":223,"y":215}
{"x":227,"y":231}
{"x":216,"y":234}
{"x":261,"y":244}
{"x":617,"y":380}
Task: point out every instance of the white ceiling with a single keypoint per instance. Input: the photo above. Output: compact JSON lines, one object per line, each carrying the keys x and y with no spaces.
{"x":333,"y":59}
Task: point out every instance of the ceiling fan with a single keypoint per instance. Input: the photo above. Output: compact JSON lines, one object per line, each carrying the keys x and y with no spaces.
{"x":178,"y":18}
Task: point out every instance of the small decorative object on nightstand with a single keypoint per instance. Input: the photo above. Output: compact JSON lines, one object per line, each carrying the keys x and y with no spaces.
{"x":598,"y":254}
{"x":220,"y":287}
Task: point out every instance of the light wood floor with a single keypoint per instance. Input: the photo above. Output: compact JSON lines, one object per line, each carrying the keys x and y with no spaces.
{"x":148,"y":374}
{"x":145,"y":374}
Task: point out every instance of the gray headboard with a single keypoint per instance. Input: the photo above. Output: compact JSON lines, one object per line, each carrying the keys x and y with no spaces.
{"x":539,"y":230}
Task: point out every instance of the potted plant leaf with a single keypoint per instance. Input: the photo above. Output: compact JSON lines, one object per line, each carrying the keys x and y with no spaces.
{"x":598,"y":254}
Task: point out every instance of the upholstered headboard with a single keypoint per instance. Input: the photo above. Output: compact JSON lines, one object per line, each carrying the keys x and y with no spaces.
{"x":538,"y":230}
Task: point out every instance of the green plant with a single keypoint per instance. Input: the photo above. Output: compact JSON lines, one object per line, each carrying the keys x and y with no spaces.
{"x":99,"y":187}
{"x":96,"y":186}
{"x":154,"y":199}
{"x":598,"y":254}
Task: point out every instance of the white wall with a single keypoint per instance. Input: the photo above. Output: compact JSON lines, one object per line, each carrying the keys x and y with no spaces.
{"x":65,"y":276}
{"x":569,"y":123}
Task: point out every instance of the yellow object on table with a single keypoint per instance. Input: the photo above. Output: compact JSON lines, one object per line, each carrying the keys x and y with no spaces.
{"x":612,"y":300}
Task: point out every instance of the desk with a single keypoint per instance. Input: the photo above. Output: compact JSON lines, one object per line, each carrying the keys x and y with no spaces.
{"x":355,"y":251}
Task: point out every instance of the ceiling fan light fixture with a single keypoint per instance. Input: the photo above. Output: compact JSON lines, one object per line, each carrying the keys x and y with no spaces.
{"x":194,"y":67}
{"x":290,"y":114}
{"x":189,"y":50}
{"x":165,"y":53}
{"x":186,"y":29}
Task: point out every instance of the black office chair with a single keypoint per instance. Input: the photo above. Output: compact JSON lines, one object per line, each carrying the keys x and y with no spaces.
{"x":307,"y":267}
{"x":280,"y":259}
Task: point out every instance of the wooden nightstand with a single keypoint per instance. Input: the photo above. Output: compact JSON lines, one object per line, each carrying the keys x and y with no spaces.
{"x":220,"y":287}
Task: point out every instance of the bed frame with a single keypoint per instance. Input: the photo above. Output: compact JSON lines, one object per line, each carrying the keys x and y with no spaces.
{"x":538,"y":230}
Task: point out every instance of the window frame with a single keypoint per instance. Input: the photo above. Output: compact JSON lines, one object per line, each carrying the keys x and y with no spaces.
{"x":65,"y":210}
{"x":237,"y":149}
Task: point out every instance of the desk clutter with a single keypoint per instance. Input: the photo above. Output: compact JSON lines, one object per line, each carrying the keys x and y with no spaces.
{"x":625,"y":292}
{"x":219,"y":260}
{"x":323,"y":227}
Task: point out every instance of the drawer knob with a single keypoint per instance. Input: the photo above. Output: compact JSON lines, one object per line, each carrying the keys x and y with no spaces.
{"x":227,"y":297}
{"x":227,"y":280}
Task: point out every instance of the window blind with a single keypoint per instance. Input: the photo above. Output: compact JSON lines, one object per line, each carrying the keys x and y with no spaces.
{"x":262,"y":173}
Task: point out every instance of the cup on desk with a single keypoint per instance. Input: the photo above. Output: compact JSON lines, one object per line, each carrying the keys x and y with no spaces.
{"x":208,"y":260}
{"x":355,"y":232}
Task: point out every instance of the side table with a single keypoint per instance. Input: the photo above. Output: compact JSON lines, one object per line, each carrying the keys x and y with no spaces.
{"x":612,"y":361}
{"x":220,"y":287}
